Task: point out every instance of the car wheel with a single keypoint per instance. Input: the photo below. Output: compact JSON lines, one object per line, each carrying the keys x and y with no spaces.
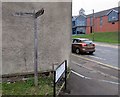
{"x":77,"y":51}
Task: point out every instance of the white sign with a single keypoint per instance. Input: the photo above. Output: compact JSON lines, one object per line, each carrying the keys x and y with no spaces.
{"x":59,"y":71}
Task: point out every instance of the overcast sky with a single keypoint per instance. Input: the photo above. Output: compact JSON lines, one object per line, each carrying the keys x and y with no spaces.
{"x":89,"y":5}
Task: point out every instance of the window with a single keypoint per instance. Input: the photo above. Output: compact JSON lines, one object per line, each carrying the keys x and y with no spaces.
{"x":75,"y":41}
{"x":73,"y":31}
{"x":113,"y":16}
{"x":91,"y":21}
{"x":101,"y":21}
{"x":82,"y":23}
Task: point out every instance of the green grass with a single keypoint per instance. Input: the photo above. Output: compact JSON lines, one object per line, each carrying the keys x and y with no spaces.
{"x":107,"y":37}
{"x":27,"y":87}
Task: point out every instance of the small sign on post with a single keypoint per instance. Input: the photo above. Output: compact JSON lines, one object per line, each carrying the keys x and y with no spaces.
{"x":39,"y":13}
{"x":58,"y":73}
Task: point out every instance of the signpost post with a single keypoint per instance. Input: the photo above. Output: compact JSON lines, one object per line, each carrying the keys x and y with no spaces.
{"x":35,"y":16}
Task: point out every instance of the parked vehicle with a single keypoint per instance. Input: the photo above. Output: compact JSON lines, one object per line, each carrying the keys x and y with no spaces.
{"x":83,"y":45}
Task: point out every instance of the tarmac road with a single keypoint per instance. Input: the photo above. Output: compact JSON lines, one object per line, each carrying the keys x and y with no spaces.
{"x":105,"y":53}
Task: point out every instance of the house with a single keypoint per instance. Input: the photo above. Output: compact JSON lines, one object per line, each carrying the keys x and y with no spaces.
{"x":104,"y":21}
{"x":79,"y":23}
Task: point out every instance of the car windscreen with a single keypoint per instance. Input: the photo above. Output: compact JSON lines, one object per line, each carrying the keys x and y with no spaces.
{"x":87,"y":41}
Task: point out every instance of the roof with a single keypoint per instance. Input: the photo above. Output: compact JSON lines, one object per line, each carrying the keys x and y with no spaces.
{"x":81,"y":15}
{"x":111,"y":11}
{"x":103,"y":13}
{"x":73,"y":18}
{"x":81,"y":38}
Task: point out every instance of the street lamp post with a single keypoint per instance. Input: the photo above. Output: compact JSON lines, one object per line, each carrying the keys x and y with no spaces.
{"x":35,"y":16}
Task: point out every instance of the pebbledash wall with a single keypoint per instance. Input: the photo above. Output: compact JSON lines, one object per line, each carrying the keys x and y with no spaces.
{"x":54,"y":38}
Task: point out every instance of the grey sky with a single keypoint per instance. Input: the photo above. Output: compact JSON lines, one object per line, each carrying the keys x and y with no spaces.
{"x":89,"y":5}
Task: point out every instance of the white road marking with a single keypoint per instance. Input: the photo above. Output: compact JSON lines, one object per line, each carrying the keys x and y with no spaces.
{"x":82,"y":76}
{"x":81,"y":65}
{"x":113,"y":67}
{"x":97,"y":57}
{"x":94,"y":70}
{"x":78,"y":74}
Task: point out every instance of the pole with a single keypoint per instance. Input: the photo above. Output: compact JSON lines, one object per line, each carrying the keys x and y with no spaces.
{"x":65,"y":74}
{"x":93,"y":26}
{"x":35,"y":52}
{"x":54,"y":88}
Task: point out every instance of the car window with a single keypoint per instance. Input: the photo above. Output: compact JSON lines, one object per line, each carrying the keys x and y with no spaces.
{"x":87,"y":41}
{"x":75,"y":41}
{"x":79,"y":41}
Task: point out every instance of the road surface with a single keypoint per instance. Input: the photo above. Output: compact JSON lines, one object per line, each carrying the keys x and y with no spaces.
{"x":90,"y":78}
{"x":94,"y":74}
{"x":105,"y":54}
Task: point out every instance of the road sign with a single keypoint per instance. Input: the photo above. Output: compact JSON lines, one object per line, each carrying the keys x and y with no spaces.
{"x":58,"y":73}
{"x":40,"y":12}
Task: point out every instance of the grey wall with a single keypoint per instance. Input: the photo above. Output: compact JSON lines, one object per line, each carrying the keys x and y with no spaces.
{"x":54,"y":35}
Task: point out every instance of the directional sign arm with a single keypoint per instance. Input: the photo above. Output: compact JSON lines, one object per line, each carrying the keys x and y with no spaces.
{"x":39,"y":13}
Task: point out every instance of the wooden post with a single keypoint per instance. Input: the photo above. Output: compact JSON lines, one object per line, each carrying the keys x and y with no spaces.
{"x":35,"y":52}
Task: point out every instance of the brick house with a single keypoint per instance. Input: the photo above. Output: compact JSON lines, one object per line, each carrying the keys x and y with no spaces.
{"x":104,"y":21}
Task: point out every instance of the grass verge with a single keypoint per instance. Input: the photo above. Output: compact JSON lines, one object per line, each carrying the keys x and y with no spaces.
{"x":107,"y":37}
{"x":27,"y":87}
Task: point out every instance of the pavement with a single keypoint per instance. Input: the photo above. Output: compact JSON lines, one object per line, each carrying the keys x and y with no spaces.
{"x":107,"y":44}
{"x":91,"y":79}
{"x":86,"y":86}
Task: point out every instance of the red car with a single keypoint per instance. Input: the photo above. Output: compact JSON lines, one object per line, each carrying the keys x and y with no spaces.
{"x":82,"y":45}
